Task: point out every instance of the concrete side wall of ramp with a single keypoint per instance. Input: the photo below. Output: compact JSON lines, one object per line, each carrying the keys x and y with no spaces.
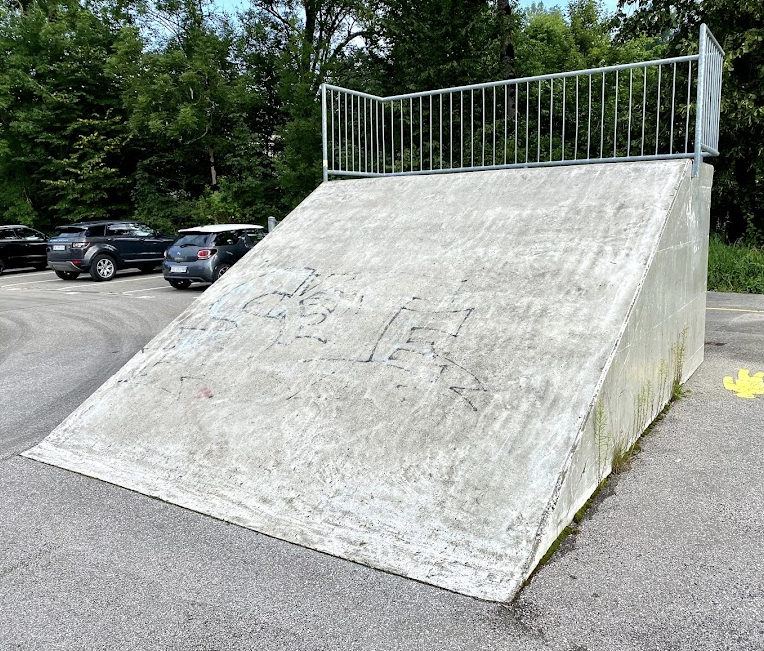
{"x":407,"y":372}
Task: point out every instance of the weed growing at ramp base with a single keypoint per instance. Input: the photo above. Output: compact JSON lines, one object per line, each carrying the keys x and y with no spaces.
{"x":616,"y":450}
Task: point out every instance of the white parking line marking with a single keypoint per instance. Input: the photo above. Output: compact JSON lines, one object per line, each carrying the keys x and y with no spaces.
{"x":108,"y":283}
{"x":148,"y":289}
{"x":29,"y":282}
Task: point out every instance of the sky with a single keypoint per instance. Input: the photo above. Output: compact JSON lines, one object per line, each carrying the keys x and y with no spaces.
{"x":610,"y":5}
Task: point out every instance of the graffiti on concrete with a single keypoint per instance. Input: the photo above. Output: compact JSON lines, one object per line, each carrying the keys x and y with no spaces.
{"x":303,"y":305}
{"x":420,"y":343}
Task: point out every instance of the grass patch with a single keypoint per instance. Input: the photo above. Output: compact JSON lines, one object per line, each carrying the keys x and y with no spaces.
{"x":735,"y":267}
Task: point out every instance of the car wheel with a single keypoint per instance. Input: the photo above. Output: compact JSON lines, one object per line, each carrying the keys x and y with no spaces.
{"x":66,"y":275}
{"x":40,"y":267}
{"x":147,"y":268}
{"x":2,"y":267}
{"x":220,"y":270}
{"x":103,"y":267}
{"x":180,"y":284}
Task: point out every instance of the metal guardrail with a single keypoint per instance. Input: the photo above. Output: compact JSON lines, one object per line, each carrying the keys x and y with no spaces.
{"x":631,"y":112}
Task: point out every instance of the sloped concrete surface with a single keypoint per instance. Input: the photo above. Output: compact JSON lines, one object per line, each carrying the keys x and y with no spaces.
{"x":400,"y":373}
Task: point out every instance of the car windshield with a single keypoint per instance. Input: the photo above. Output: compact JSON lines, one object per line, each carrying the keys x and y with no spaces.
{"x":193,"y":239}
{"x":69,"y":232}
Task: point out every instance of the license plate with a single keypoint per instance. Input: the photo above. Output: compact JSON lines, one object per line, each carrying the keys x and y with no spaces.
{"x":178,"y":270}
{"x":59,"y":247}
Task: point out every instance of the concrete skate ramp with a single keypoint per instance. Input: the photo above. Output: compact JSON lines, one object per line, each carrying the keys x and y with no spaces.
{"x":427,"y":375}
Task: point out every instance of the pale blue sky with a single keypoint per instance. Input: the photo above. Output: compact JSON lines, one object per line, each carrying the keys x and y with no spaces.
{"x":610,"y":5}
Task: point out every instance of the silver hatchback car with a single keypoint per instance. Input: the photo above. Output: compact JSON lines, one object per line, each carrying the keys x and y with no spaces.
{"x":204,"y":253}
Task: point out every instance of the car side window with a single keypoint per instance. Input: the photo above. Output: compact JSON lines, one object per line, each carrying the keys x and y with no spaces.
{"x":141,"y":230}
{"x":227,"y":238}
{"x":119,"y":230}
{"x":96,"y":231}
{"x":255,"y":235}
{"x":29,"y":234}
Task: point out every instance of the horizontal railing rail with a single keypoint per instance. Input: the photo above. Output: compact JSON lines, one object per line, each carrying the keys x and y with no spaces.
{"x":650,"y":110}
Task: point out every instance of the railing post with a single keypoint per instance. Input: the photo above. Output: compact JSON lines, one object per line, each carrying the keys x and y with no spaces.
{"x":325,"y":160}
{"x":700,"y":103}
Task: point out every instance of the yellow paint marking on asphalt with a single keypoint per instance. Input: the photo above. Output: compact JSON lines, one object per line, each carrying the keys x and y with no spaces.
{"x":746,"y":385}
{"x":735,"y":309}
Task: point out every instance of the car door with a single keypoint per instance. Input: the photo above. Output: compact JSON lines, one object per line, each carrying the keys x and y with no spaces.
{"x":13,"y":248}
{"x":123,"y":238}
{"x":33,"y":247}
{"x":152,"y":244}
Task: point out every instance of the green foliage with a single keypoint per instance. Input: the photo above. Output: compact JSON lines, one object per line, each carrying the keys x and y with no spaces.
{"x":175,"y":113}
{"x":62,"y":129}
{"x":737,"y":208}
{"x":735,"y":268}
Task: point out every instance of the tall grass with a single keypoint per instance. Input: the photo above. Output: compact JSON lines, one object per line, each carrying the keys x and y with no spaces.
{"x":735,"y":268}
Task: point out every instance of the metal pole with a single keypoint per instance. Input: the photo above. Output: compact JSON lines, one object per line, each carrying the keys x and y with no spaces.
{"x":699,"y":108}
{"x":325,"y":164}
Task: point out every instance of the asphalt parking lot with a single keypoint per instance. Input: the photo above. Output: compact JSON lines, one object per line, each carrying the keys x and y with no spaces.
{"x":669,"y":556}
{"x":60,"y":339}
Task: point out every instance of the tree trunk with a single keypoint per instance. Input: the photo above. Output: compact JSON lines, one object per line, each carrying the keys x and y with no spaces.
{"x":507,"y":54}
{"x":213,"y":172}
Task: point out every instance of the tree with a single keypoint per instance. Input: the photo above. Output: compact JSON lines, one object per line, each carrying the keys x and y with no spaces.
{"x":62,"y":130}
{"x":738,"y":200}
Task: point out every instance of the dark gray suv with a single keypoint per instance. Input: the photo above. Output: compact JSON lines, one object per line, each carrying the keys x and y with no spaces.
{"x":102,"y":247}
{"x":205,"y":253}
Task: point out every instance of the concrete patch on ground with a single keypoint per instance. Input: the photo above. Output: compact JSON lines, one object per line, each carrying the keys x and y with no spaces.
{"x":412,"y":373}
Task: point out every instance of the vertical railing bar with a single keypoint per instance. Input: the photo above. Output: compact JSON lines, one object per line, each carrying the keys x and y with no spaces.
{"x":715,"y":96}
{"x":689,"y":99}
{"x":517,"y":96}
{"x":421,"y":132}
{"x":352,"y":132}
{"x":493,"y":141}
{"x":575,"y":145}
{"x":324,"y":137}
{"x":472,"y":128}
{"x":371,"y":135}
{"x":461,"y":129}
{"x":628,"y":126}
{"x":589,"y":128}
{"x":440,"y":136}
{"x":345,"y":139}
{"x":527,"y":116}
{"x":658,"y":110}
{"x":551,"y":115}
{"x":430,"y":133}
{"x":564,"y":88}
{"x":376,"y":115}
{"x":392,"y":136}
{"x":411,"y":133}
{"x":615,"y":118}
{"x":602,"y":118}
{"x":365,"y":139}
{"x":506,"y":110}
{"x":403,"y":146}
{"x":384,"y":139}
{"x":482,"y":151}
{"x":644,"y":109}
{"x":538,"y":128}
{"x":673,"y":101}
{"x":331,"y":97}
{"x":451,"y":131}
